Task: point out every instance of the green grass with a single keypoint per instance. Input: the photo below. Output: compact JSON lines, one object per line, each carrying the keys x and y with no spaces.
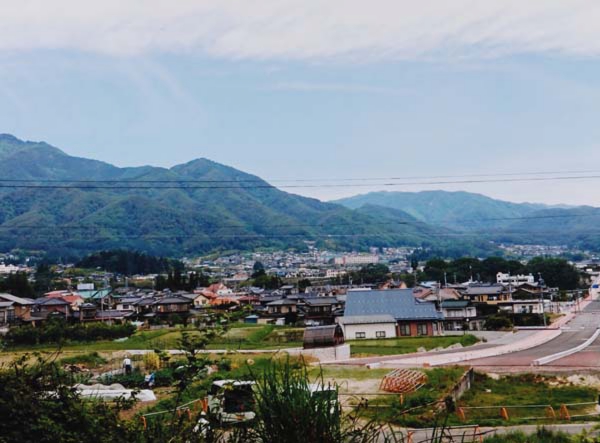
{"x":247,"y":337}
{"x":541,"y":436}
{"x":259,"y":337}
{"x":157,"y":339}
{"x":89,"y":360}
{"x":358,"y":373}
{"x":440,"y":382}
{"x":406,"y":345}
{"x":527,"y":389}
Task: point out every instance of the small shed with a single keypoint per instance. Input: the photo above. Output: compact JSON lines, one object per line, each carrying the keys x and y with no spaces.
{"x":251,"y":319}
{"x":323,"y":336}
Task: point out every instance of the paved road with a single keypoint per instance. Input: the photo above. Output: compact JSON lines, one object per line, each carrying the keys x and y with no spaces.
{"x":581,"y":328}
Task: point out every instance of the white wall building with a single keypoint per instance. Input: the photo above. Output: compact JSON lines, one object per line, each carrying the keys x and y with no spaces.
{"x":351,"y":260}
{"x":368,"y":326}
{"x":522,"y":306}
{"x":516,"y":280}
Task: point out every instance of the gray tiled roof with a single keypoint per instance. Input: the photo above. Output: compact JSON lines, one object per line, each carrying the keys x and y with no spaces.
{"x":282,"y":302}
{"x":399,"y":303}
{"x":13,"y":298}
{"x":486,"y":290}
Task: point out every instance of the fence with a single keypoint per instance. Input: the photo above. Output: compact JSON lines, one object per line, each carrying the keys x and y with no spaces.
{"x":565,"y":412}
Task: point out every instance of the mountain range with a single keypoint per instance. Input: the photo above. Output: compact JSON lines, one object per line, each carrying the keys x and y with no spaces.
{"x":69,"y":206}
{"x":492,"y":219}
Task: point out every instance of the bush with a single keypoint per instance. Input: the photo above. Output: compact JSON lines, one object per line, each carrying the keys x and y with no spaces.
{"x":151,"y":361}
{"x":498,"y":322}
{"x":91,"y":360}
{"x":57,"y":330}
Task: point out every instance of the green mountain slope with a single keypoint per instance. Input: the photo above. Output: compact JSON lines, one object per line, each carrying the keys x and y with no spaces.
{"x":456,"y":210}
{"x":578,"y":227}
{"x":233,"y":210}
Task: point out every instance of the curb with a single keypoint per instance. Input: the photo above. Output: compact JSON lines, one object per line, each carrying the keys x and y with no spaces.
{"x":550,"y":358}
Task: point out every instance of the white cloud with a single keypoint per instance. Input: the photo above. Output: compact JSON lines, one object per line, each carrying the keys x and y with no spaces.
{"x":305,"y":29}
{"x":336,"y":87}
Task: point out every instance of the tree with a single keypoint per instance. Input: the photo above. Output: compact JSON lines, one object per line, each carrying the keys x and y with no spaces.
{"x":38,"y":404}
{"x":435,"y":269}
{"x":267,"y":281}
{"x":17,"y":284}
{"x":556,"y":272}
{"x":303,"y":284}
{"x":373,"y":273}
{"x":129,"y":262}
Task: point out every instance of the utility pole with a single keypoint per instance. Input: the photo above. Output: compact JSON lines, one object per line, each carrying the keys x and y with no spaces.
{"x":540,"y":285}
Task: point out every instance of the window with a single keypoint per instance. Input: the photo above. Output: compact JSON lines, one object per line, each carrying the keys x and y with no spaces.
{"x":405,"y":329}
{"x":422,"y":329}
{"x":380,"y":334}
{"x":361,"y":335}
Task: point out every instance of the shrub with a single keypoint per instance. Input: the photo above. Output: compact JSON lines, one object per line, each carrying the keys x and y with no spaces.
{"x":93,"y":359}
{"x":151,"y":361}
{"x":498,"y":322}
{"x":57,"y":330}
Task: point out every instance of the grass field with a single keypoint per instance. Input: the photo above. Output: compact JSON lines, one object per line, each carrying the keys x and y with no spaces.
{"x":527,"y":389}
{"x":240,"y":337}
{"x":392,"y":346}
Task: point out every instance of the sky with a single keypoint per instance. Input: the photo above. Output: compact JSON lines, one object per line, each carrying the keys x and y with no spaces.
{"x":303,"y":89}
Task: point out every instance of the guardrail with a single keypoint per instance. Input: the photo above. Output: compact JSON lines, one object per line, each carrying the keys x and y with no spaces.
{"x":550,"y":358}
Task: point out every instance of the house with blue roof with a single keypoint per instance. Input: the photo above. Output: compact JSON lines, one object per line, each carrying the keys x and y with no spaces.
{"x":412,"y":318}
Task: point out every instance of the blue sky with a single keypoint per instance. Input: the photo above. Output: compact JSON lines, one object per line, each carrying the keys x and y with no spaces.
{"x":300,"y":93}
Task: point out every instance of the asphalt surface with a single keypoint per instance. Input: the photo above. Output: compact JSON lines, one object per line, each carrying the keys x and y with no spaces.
{"x":578,"y":330}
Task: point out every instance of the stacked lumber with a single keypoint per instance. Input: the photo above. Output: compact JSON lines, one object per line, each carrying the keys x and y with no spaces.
{"x":403,"y":381}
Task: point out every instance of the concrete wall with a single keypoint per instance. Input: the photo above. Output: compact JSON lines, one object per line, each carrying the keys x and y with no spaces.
{"x":370,"y":330}
{"x":333,"y":353}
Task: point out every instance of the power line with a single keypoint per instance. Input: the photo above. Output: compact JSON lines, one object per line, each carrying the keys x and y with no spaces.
{"x":268,"y":186}
{"x":307,"y":180}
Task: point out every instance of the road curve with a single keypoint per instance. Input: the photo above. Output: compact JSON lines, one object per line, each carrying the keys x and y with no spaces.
{"x":578,"y":330}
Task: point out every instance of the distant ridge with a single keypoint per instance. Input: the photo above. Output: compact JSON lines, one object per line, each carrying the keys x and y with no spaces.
{"x":497,"y":220}
{"x":180,"y":221}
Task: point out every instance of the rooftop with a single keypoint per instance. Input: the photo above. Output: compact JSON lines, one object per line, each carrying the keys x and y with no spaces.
{"x":399,"y":303}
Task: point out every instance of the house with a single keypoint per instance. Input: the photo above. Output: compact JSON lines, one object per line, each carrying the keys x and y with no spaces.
{"x":413,"y":318}
{"x":288,"y":290}
{"x":127,"y":303}
{"x":319,"y":310}
{"x":198,"y":299}
{"x":7,"y":312}
{"x":437,"y":294}
{"x":522,"y":306}
{"x":490,"y":294}
{"x":323,"y":336}
{"x":172,"y":305}
{"x":87,"y":312}
{"x":368,"y":326}
{"x":219,"y":289}
{"x":14,"y":308}
{"x":282,"y":307}
{"x":50,"y":306}
{"x":74,"y":300}
{"x":460,"y":314}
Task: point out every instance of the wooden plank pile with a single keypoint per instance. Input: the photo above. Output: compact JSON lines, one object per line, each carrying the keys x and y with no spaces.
{"x":403,"y":381}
